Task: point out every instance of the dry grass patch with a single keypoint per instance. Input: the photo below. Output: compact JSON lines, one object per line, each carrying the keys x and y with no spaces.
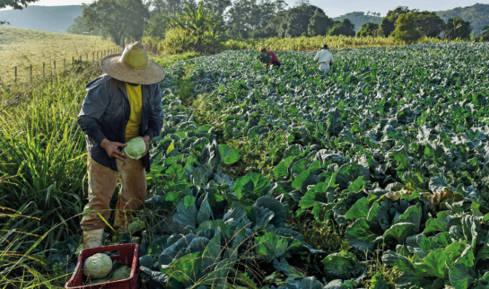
{"x":24,"y":47}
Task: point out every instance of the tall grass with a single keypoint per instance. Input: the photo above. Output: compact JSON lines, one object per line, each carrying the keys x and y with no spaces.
{"x":24,"y":262}
{"x":43,"y":153}
{"x":289,"y":44}
{"x":42,"y":169}
{"x":314,"y":43}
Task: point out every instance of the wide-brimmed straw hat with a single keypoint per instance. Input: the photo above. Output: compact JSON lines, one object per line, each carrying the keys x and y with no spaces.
{"x":133,"y":66}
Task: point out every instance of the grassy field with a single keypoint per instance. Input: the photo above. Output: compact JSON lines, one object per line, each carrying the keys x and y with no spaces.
{"x":23,"y":47}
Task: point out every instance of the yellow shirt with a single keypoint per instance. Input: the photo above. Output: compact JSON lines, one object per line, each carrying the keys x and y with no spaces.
{"x":135,"y":96}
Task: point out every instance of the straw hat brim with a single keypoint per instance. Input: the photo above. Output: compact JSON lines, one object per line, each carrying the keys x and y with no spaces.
{"x":112,"y":65}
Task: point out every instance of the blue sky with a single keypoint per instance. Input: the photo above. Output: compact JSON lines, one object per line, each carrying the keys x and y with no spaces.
{"x":335,"y":8}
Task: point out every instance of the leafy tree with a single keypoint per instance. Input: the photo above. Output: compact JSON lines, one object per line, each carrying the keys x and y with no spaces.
{"x":15,"y":4}
{"x":240,"y":18}
{"x":295,"y":21}
{"x":319,"y":25}
{"x":388,"y":23}
{"x":344,"y":27}
{"x":78,"y":27}
{"x":156,"y":26}
{"x":368,"y":29}
{"x":386,"y":27}
{"x":457,"y":28}
{"x":169,"y":7}
{"x":278,"y":21}
{"x":138,"y":17}
{"x":217,"y":6}
{"x":266,"y":32}
{"x":406,"y":29}
{"x":202,"y":26}
{"x":117,"y":18}
{"x":429,"y":23}
{"x":246,"y":16}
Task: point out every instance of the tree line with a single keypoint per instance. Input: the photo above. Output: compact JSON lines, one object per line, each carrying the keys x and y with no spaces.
{"x":410,"y":25}
{"x":202,"y":25}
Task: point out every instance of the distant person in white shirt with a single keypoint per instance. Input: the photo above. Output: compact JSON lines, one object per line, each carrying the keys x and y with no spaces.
{"x":324,"y":59}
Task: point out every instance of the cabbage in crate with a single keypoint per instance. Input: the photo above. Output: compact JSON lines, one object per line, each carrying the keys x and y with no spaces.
{"x":135,"y":148}
{"x":97,"y":266}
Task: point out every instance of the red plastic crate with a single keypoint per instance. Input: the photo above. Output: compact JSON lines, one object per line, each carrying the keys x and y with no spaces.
{"x":128,"y":255}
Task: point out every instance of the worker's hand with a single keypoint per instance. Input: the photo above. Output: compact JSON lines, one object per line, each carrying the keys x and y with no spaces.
{"x":112,"y":149}
{"x":146,"y":141}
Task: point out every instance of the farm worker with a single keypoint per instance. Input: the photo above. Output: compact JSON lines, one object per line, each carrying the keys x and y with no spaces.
{"x":122,"y":104}
{"x":324,"y":59}
{"x":274,"y":62}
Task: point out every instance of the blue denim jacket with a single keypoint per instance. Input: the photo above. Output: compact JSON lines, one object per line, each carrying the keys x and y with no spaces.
{"x":105,"y":112}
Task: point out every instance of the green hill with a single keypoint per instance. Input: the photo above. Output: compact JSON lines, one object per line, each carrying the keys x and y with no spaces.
{"x":45,"y":18}
{"x":358,"y":18}
{"x":477,"y":14}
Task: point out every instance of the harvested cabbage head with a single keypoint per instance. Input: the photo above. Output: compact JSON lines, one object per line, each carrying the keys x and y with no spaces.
{"x":97,"y":266}
{"x":135,"y":148}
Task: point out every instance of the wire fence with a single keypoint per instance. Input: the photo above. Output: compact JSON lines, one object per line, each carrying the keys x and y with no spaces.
{"x":26,"y":74}
{"x":31,"y":77}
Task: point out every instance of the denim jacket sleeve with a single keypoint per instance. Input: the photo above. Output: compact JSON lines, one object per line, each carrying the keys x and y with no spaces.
{"x":156,"y":115}
{"x":93,"y":107}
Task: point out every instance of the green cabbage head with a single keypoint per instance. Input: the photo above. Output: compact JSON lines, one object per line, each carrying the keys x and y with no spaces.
{"x":97,"y":266}
{"x":135,"y":148}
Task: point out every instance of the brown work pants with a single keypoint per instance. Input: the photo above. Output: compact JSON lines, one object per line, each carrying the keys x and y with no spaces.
{"x":102,"y":183}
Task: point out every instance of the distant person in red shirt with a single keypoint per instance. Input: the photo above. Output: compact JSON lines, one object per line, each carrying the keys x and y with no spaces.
{"x":274,"y":62}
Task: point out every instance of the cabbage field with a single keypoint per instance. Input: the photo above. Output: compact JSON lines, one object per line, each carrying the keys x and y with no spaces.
{"x":375,"y":176}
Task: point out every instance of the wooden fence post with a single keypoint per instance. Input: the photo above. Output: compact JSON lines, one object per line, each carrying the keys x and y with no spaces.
{"x":81,"y":57}
{"x":93,"y":56}
{"x":72,"y":60}
{"x":87,"y":57}
{"x":15,"y":74}
{"x":97,"y":55}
